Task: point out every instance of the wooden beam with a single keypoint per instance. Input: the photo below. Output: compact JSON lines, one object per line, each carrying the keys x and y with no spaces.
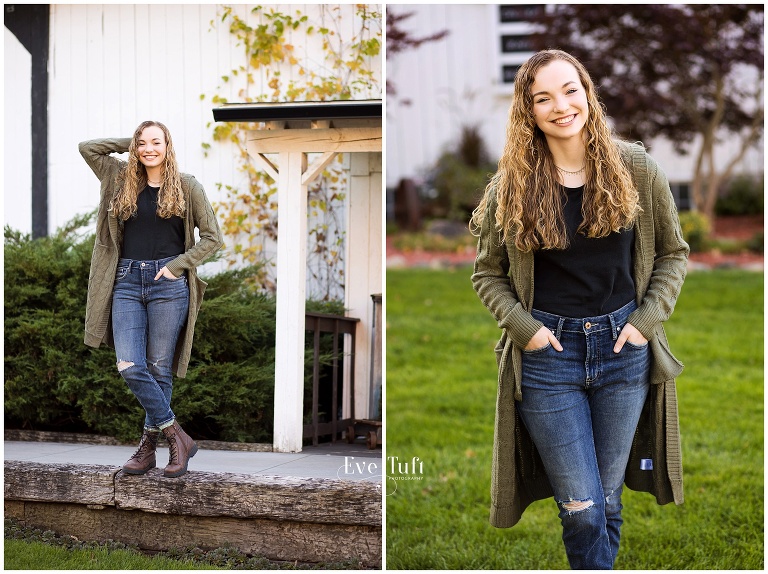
{"x":317,"y":140}
{"x":265,"y":164}
{"x":237,"y":495}
{"x":317,"y":166}
{"x":283,"y":540}
{"x":82,"y":483}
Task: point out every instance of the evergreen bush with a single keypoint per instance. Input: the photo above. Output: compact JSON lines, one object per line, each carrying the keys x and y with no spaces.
{"x":53,"y":381}
{"x":743,"y":196}
{"x":460,"y":176}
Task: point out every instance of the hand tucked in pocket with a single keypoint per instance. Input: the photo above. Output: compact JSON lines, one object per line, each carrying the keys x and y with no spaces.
{"x":540,"y":340}
{"x":629,"y":333}
{"x":165,"y":273}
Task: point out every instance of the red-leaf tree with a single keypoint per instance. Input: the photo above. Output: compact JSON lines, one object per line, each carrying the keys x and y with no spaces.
{"x":690,"y":73}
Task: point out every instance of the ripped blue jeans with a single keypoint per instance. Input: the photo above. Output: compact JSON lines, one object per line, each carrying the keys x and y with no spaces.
{"x":581,"y":407}
{"x":147,"y":317}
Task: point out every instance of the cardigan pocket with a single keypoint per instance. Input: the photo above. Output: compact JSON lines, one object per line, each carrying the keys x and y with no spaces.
{"x":664,"y":366}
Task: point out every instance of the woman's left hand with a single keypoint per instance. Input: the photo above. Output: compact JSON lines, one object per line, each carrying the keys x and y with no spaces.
{"x":165,"y":273}
{"x":631,"y":334}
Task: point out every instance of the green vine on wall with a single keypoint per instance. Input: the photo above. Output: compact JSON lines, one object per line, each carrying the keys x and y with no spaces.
{"x":342,"y":69}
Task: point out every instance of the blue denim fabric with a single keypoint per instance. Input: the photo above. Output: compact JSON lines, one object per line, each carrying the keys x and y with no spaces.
{"x":581,"y":407}
{"x":147,"y":317}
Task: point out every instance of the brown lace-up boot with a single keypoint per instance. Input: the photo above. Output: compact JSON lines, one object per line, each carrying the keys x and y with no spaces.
{"x":181,"y":448}
{"x":144,"y":458}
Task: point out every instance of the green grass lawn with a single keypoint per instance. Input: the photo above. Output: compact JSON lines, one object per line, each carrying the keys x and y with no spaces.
{"x":440,"y":401}
{"x":32,"y":555}
{"x":30,"y":548}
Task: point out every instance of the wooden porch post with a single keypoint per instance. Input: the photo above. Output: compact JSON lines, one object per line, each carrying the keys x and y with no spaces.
{"x":291,"y":296}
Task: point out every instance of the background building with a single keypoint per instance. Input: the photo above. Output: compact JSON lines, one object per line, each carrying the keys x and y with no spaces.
{"x":466,"y":79}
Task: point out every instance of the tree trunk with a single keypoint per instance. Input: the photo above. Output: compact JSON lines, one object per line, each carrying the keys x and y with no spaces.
{"x":706,"y":184}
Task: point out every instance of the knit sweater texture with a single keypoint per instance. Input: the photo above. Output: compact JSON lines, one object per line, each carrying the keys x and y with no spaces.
{"x":109,"y":238}
{"x":503,"y":279}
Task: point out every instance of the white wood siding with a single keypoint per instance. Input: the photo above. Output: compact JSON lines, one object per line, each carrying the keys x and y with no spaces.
{"x":113,"y":66}
{"x":448,"y":82}
{"x":364,"y":255}
{"x":17,"y":153}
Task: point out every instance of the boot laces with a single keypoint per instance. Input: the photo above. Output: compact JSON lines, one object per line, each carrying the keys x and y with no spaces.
{"x":173,"y":447}
{"x":144,"y":446}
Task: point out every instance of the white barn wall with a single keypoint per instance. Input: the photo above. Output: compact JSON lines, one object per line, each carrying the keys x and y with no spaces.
{"x":436,"y":78}
{"x":437,"y":75}
{"x":364,"y":254}
{"x":17,"y":152}
{"x":113,"y":66}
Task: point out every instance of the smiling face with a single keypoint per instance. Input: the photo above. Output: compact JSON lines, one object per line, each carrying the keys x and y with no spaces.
{"x":560,"y":106}
{"x":151,"y":148}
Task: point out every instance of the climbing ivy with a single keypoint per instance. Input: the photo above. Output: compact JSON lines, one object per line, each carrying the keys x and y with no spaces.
{"x":293,"y":57}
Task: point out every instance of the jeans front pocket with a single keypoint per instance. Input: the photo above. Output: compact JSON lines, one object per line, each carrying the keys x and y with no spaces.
{"x":122,"y":271}
{"x":181,"y":279}
{"x":540,"y":350}
{"x":630,"y":344}
{"x":636,"y":347}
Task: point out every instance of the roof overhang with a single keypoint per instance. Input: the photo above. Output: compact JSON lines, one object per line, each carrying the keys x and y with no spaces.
{"x":308,"y":111}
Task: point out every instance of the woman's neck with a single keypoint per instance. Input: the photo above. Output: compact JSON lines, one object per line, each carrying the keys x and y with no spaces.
{"x":569,"y":157}
{"x":567,"y":154}
{"x":154,"y":174}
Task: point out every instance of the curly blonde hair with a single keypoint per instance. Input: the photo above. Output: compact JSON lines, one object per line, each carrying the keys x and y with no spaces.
{"x":528,"y":195}
{"x":133,"y":178}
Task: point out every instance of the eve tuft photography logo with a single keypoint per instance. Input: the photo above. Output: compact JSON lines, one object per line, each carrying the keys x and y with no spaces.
{"x":403,"y":469}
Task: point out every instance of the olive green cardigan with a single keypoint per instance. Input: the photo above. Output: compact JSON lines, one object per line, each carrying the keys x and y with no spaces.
{"x":503,"y":279}
{"x":109,"y":239}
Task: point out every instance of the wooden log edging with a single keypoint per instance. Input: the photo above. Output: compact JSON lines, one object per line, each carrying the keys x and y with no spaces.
{"x":79,"y":483}
{"x":276,"y":540}
{"x":282,"y":518}
{"x":318,"y":500}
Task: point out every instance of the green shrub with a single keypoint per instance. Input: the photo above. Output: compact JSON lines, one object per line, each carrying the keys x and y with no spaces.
{"x":460,"y":176}
{"x":54,"y":382}
{"x":696,"y":228}
{"x":743,"y":196}
{"x":757,"y":243}
{"x":458,"y":187}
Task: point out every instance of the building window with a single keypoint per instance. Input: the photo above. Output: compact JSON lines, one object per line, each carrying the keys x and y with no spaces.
{"x":509,"y":72}
{"x":519,"y":12}
{"x":513,"y":40}
{"x":682,"y":194}
{"x":511,"y":43}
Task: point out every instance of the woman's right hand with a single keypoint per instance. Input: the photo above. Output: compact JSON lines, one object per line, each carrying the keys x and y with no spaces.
{"x":540,"y":340}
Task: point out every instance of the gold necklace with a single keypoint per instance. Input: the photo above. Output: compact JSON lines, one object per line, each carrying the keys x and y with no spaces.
{"x":154,"y":182}
{"x":571,"y":172}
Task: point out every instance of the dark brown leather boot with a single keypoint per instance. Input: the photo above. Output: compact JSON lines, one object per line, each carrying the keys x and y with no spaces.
{"x":181,"y":448}
{"x":144,"y":458}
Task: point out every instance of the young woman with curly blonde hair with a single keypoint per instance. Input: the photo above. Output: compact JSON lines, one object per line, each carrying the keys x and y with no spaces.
{"x":580,"y":260}
{"x":143,"y":290}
